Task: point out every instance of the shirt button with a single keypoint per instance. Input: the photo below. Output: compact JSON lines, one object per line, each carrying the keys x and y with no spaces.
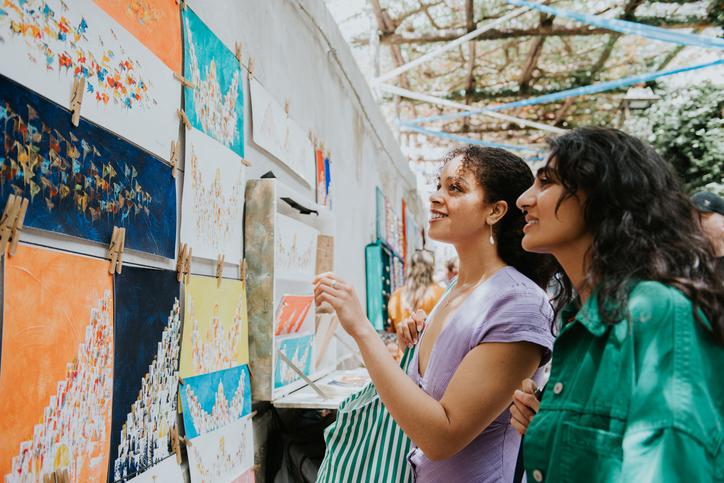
{"x":538,"y":475}
{"x":558,"y":388}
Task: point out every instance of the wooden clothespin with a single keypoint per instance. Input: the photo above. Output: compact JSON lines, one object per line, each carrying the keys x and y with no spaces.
{"x":251,"y":68}
{"x":184,"y":81}
{"x":76,"y":99}
{"x":176,"y":444}
{"x":242,"y":270}
{"x":18,"y":226}
{"x":286,"y":106}
{"x":115,"y":250}
{"x":245,"y":162}
{"x":187,"y":442}
{"x":64,"y":476}
{"x":239,"y":47}
{"x":10,"y":214}
{"x":183,"y":253}
{"x":174,"y":157}
{"x":219,"y":269}
{"x":187,"y":265}
{"x":182,"y":115}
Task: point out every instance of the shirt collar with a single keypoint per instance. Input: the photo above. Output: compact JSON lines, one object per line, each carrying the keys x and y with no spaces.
{"x":588,"y":315}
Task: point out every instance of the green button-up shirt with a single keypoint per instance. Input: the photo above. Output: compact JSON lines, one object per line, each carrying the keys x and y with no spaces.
{"x":641,"y":400}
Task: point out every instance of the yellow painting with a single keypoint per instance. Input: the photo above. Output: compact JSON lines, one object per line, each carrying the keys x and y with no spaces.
{"x":216,"y":329}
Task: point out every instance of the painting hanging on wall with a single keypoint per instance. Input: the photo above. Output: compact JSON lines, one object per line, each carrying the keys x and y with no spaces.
{"x":167,"y":470}
{"x":299,"y":351}
{"x":276,"y":132}
{"x":296,"y":250}
{"x":211,"y":401}
{"x":293,"y":314}
{"x":226,"y":454}
{"x":82,"y":181}
{"x":155,"y":23}
{"x":145,"y":374}
{"x":57,"y":367}
{"x":215,"y":105}
{"x":213,"y":199}
{"x":216,"y":332}
{"x":48,"y":43}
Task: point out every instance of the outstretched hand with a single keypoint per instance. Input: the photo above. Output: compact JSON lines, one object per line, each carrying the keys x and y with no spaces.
{"x":342,"y":297}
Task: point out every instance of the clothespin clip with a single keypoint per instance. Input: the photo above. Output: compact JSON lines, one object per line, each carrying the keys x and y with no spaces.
{"x":242,"y":270}
{"x":10,"y":214}
{"x":176,"y":444}
{"x":183,"y":253}
{"x":187,"y":265}
{"x":76,"y":99}
{"x":174,"y":157}
{"x":184,"y":118}
{"x":245,"y":162}
{"x":18,"y":226}
{"x":219,"y":269}
{"x":187,"y":442}
{"x":251,"y":68}
{"x":239,"y":47}
{"x":184,"y":81}
{"x":286,"y":106}
{"x":115,"y":250}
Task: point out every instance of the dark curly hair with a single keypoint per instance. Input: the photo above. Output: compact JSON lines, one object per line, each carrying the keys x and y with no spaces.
{"x":504,"y":177}
{"x":643,"y":224}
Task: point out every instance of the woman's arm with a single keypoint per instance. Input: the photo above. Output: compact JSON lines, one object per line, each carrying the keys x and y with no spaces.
{"x":479,"y":391}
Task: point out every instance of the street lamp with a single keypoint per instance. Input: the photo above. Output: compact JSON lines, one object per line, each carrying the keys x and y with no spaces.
{"x":637,"y":99}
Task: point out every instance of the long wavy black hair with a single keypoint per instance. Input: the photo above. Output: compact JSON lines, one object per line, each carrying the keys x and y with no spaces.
{"x":504,"y":177}
{"x":643,"y":224}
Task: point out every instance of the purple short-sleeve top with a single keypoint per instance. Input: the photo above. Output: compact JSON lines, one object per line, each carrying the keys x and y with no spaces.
{"x":508,"y":307}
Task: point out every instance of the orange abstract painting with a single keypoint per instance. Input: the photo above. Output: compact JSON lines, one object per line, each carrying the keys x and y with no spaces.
{"x":56,"y":366}
{"x":292,"y":313}
{"x":156,"y":23}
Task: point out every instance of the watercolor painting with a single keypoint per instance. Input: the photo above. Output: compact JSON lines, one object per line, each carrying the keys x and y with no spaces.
{"x":82,"y":181}
{"x":213,"y":199}
{"x":57,"y":366}
{"x":49,"y":43}
{"x":226,"y":454}
{"x":296,"y":250}
{"x":292,"y":313}
{"x":216,"y":330}
{"x":276,"y":132}
{"x":145,"y":375}
{"x":167,"y":470}
{"x":155,"y":23}
{"x":211,"y":401}
{"x":215,"y":105}
{"x":299,"y":351}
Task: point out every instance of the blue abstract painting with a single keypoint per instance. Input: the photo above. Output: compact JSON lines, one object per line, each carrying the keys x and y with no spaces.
{"x":216,"y":103}
{"x":299,"y":351}
{"x":81,"y":181}
{"x":211,"y":401}
{"x":145,"y":369}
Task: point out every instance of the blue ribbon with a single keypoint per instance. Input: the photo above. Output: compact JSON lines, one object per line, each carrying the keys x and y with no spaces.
{"x":627,"y":27}
{"x":466,"y":140}
{"x":577,"y":91}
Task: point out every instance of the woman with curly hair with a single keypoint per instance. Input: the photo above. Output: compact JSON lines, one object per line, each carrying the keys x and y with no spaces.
{"x":635,"y":392}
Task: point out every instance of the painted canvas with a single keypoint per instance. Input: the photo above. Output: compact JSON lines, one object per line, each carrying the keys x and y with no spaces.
{"x":156,"y":23}
{"x":57,"y":366}
{"x":145,"y":373}
{"x":296,"y":250}
{"x":211,"y":401}
{"x":216,"y":331}
{"x":167,"y":470}
{"x":48,"y":43}
{"x":293,"y":314}
{"x":299,"y":351}
{"x":275,"y":131}
{"x":224,"y":455}
{"x":82,"y":181}
{"x":213,"y":199}
{"x":216,"y":104}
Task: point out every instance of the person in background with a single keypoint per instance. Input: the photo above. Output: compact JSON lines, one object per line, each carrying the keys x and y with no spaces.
{"x":635,"y":390}
{"x":419,"y":292}
{"x":710,"y":208}
{"x":452,"y":270}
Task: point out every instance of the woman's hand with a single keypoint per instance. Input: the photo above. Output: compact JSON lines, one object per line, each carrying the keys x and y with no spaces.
{"x":342,"y":297}
{"x":409,"y":330}
{"x":525,"y":406}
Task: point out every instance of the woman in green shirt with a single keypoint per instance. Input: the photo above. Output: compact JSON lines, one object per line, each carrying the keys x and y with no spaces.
{"x":636,"y":391}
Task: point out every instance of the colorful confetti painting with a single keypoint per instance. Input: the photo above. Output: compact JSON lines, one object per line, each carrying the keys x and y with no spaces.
{"x":299,"y":351}
{"x":226,"y":454}
{"x":57,"y":367}
{"x":48,"y":43}
{"x":145,"y":377}
{"x":296,"y":250}
{"x":82,"y":181}
{"x":211,"y":401}
{"x":213,"y":199}
{"x":156,"y":23}
{"x":216,"y":104}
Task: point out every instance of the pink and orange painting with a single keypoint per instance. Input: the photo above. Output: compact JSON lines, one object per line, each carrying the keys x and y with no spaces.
{"x":292,"y":313}
{"x":57,"y":367}
{"x":156,"y":23}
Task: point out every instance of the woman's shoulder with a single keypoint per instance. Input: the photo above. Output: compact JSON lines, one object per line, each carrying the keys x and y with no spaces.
{"x":509,"y":283}
{"x":656,"y":302}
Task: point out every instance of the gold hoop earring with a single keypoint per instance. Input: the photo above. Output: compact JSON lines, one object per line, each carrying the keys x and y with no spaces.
{"x":491,"y":239}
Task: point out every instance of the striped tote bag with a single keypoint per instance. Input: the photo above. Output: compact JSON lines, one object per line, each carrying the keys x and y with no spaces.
{"x":364,"y":444}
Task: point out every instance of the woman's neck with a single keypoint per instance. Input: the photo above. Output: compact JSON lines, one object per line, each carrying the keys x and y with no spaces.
{"x":478,"y":261}
{"x":574,"y":260}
